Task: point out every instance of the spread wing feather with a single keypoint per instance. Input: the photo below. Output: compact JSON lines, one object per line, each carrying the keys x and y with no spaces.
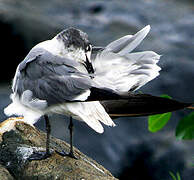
{"x":117,"y":68}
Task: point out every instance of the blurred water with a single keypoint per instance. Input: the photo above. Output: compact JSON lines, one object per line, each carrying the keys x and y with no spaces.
{"x":171,"y":35}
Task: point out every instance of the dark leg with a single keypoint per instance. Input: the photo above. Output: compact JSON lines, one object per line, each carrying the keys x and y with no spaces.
{"x":71,"y":137}
{"x":39,"y":155}
{"x":70,"y":154}
{"x":48,"y":133}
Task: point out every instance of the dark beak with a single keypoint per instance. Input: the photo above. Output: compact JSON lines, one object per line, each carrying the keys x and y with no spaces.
{"x":88,"y":65}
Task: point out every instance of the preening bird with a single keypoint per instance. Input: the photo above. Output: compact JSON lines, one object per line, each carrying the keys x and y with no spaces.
{"x":69,"y":76}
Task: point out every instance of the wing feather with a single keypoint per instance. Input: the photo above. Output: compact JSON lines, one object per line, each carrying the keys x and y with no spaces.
{"x":117,"y":68}
{"x":57,"y":80}
{"x":128,"y":43}
{"x":51,"y":79}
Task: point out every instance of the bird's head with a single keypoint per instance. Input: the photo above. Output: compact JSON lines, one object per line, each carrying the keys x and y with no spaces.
{"x":75,"y":44}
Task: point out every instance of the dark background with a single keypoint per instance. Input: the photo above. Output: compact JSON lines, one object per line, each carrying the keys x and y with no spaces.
{"x":128,"y":150}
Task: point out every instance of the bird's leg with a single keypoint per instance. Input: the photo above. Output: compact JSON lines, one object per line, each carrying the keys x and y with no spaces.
{"x":39,"y":155}
{"x":48,"y":133}
{"x":70,"y":154}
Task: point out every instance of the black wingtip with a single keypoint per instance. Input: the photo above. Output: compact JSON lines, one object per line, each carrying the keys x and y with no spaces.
{"x":142,"y":105}
{"x":102,"y":94}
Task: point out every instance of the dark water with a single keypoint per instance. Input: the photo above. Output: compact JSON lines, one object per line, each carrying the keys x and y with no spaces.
{"x":128,"y":149}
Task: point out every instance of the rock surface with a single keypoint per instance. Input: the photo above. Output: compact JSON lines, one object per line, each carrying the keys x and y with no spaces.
{"x":4,"y":174}
{"x":20,"y":140}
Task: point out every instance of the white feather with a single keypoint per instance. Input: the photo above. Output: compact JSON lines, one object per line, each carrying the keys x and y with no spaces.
{"x":128,"y":43}
{"x":53,"y":46}
{"x":122,"y":71}
{"x":89,"y":112}
{"x":83,"y":96}
{"x":118,"y":44}
{"x":16,"y":108}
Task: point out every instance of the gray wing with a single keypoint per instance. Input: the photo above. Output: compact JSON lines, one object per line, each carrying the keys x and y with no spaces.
{"x":56,"y":80}
{"x":51,"y":78}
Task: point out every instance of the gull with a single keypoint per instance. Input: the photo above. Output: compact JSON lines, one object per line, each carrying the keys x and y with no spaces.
{"x":67,"y":75}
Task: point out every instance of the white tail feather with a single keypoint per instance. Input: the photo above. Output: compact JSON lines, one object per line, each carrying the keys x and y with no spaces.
{"x":16,"y":108}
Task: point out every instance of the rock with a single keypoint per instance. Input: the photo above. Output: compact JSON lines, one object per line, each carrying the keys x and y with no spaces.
{"x":19,"y":140}
{"x":4,"y":174}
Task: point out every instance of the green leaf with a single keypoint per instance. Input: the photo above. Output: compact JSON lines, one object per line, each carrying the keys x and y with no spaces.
{"x":158,"y":121}
{"x":166,"y":96}
{"x":172,"y":175}
{"x":185,"y":128}
{"x":177,"y":177}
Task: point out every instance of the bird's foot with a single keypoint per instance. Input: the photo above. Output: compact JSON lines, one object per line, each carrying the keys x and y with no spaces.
{"x":70,"y":154}
{"x":39,"y":155}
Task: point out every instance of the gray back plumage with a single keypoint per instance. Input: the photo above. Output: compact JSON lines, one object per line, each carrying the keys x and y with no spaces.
{"x":51,"y":78}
